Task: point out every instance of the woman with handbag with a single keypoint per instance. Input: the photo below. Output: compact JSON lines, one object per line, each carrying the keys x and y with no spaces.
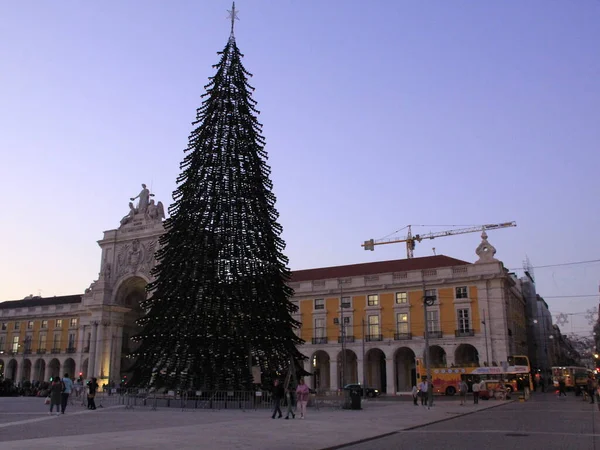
{"x":92,"y":388}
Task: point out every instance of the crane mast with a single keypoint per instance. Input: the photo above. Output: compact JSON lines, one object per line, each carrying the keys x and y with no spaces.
{"x":410,"y":240}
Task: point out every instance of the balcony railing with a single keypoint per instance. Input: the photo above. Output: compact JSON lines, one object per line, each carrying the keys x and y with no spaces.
{"x":55,"y":350}
{"x":319,"y":340}
{"x":402,"y":336}
{"x":464,"y":333}
{"x":71,"y":350}
{"x":434,"y":334}
{"x":27,"y":351}
{"x":373,"y":337}
{"x":345,"y":339}
{"x":86,"y":349}
{"x":41,"y":351}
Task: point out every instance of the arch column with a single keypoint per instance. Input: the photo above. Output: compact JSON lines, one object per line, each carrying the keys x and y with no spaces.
{"x":80,"y":338}
{"x":98,"y":372}
{"x":389,"y":376}
{"x":308,"y":380}
{"x":92,"y":357}
{"x":360,"y":370}
{"x":333,"y":374}
{"x":19,"y":375}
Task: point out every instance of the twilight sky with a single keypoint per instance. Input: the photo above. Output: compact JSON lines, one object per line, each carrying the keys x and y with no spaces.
{"x":377,"y":115}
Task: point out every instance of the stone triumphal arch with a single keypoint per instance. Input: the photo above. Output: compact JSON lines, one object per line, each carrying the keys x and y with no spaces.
{"x":111,"y":305}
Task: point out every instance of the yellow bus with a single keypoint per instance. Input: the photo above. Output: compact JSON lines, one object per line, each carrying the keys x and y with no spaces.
{"x":515,"y":374}
{"x":570,"y":374}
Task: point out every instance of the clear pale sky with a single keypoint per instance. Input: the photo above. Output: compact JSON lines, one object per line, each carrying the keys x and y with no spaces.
{"x":377,"y":115}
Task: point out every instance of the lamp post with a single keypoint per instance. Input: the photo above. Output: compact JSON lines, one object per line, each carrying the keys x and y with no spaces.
{"x":427,"y":301}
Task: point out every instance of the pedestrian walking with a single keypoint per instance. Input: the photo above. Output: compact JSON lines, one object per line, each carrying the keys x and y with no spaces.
{"x":561,"y":387}
{"x":55,"y":393}
{"x":67,"y":389}
{"x":423,"y":391}
{"x":277,"y":394}
{"x":542,"y":385}
{"x":475,"y":389}
{"x":591,"y":387}
{"x":415,"y":395}
{"x":462,"y":391}
{"x":291,"y":396}
{"x":91,"y":396}
{"x":302,"y":392}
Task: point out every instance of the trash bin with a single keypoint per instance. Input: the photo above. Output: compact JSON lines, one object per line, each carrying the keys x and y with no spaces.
{"x":354,"y":399}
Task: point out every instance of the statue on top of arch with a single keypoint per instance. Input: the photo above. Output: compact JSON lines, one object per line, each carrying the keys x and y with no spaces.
{"x":146,"y":208}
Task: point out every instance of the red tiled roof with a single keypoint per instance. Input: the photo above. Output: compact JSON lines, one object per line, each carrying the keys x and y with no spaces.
{"x":41,"y":301}
{"x":373,"y":268}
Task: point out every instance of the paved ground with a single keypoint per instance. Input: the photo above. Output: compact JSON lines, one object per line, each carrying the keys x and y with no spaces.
{"x":544,"y":422}
{"x":24,"y":424}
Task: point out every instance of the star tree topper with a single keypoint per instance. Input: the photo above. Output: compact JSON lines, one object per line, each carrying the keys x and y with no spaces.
{"x":233,"y":15}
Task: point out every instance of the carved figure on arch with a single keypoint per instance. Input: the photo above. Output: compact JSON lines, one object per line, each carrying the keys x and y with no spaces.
{"x":144,"y":197}
{"x":129,"y":217}
{"x":155,"y":212}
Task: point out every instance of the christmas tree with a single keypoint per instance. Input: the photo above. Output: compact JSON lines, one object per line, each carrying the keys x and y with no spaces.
{"x":220,"y":303}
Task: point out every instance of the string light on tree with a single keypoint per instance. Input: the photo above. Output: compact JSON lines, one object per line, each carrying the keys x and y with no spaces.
{"x":220,"y":300}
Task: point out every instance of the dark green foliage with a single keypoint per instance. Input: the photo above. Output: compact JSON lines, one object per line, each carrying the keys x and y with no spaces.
{"x":220,"y":302}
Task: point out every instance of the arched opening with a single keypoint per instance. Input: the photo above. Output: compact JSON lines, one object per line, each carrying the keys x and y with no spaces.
{"x":405,"y":369}
{"x":69,"y":367}
{"x":321,"y":368}
{"x":39,"y":370}
{"x":375,"y":369}
{"x":54,"y":368}
{"x":84,"y":368}
{"x":11,"y":370}
{"x":348,"y":372}
{"x":26,"y":375}
{"x":466,"y":355}
{"x":437,"y":356}
{"x":130,"y":294}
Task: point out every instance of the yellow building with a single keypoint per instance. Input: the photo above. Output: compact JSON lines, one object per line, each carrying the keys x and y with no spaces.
{"x":39,"y":337}
{"x":365,"y":323}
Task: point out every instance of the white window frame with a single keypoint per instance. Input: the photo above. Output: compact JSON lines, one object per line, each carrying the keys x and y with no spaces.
{"x":378,"y":325}
{"x":58,"y":323}
{"x":428,"y":293}
{"x":321,"y":307}
{"x":14,"y":346}
{"x":405,"y":302}
{"x":73,"y":324}
{"x":56,"y":340}
{"x":342,"y":298}
{"x":17,"y":326}
{"x":407,"y":322}
{"x":30,"y":322}
{"x":459,"y":319}
{"x":42,"y":345}
{"x":320,"y":332}
{"x":71,"y":342}
{"x":376,"y":305}
{"x":438,"y":327}
{"x":461,"y":297}
{"x":44,"y":325}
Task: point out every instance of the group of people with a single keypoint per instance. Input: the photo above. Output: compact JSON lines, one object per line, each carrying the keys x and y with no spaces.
{"x":61,"y":388}
{"x":301,"y":393}
{"x":422,"y":391}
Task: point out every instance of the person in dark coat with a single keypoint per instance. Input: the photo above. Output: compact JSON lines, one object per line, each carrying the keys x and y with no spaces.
{"x":55,"y":394}
{"x":92,"y":389}
{"x":277,"y":393}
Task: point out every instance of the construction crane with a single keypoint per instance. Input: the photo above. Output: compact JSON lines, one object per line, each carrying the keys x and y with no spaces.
{"x":412,"y":240}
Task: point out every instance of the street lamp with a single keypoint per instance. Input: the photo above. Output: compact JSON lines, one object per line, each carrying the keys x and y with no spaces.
{"x":428,"y":301}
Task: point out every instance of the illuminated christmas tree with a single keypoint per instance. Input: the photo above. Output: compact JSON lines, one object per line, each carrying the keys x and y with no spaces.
{"x":220,"y":302}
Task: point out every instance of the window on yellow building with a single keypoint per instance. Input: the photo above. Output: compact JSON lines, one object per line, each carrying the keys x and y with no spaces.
{"x":4,"y":326}
{"x":58,"y":323}
{"x":464,"y":322}
{"x":71,"y":344}
{"x":73,"y":322}
{"x":319,"y":329}
{"x":17,"y":326}
{"x":2,"y":343}
{"x":402,"y":323}
{"x":319,"y":303}
{"x":373,"y":300}
{"x":30,"y":325}
{"x":15,"y":344}
{"x":346,"y":302}
{"x":374,"y":330}
{"x":433,"y":321}
{"x":42,"y":345}
{"x":401,"y":298}
{"x":461,"y":292}
{"x":56,"y":342}
{"x":44,"y":324}
{"x":432,"y":293}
